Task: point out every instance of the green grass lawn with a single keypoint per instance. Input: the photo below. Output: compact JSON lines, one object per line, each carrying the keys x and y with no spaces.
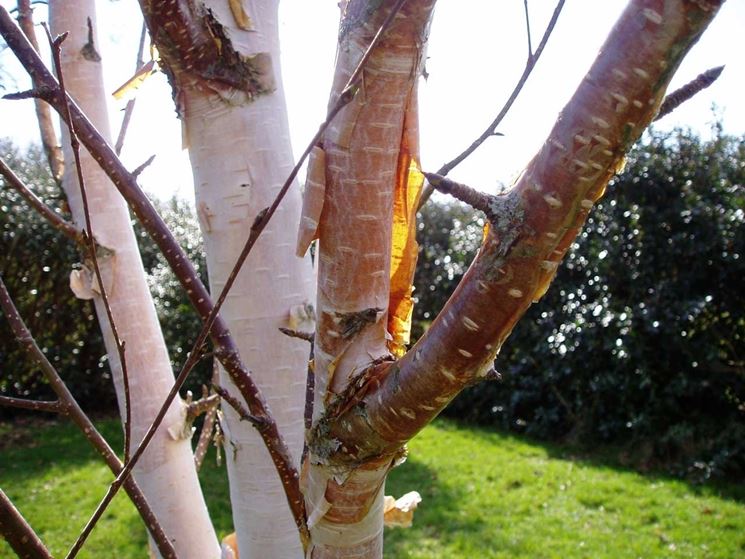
{"x":484,"y":495}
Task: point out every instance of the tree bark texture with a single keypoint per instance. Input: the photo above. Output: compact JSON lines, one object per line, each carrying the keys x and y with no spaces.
{"x":237,"y":133}
{"x":362,"y":193}
{"x":531,"y":228}
{"x":166,"y":472}
{"x":383,"y":405}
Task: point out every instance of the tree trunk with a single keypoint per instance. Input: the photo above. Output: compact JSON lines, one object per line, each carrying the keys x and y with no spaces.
{"x":237,"y":134}
{"x":366,"y":180}
{"x":166,"y":471}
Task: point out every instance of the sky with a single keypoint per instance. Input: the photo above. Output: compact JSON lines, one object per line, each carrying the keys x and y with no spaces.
{"x":476,"y":53}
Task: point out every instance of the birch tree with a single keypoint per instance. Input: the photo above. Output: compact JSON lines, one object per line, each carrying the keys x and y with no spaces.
{"x":371,"y":395}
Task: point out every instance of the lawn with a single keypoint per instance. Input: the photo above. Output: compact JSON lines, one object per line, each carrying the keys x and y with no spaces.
{"x":486,"y":495}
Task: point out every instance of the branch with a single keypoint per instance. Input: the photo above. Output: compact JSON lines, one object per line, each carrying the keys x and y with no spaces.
{"x":204,"y":405}
{"x":307,"y":336}
{"x":63,"y":226}
{"x":78,"y":416}
{"x":492,"y":128}
{"x":683,"y":94}
{"x":259,"y":422}
{"x":534,"y":225}
{"x":51,"y":146}
{"x":207,"y":427}
{"x":18,"y":533}
{"x":129,"y":109}
{"x":34,"y":405}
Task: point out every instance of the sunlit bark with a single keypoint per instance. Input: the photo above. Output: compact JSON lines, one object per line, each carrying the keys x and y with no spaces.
{"x":368,"y":163}
{"x":237,"y":134}
{"x":166,"y":472}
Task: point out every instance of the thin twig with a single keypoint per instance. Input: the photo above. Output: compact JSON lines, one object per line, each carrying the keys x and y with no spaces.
{"x":683,"y":94}
{"x":527,"y":29}
{"x":307,"y":336}
{"x":129,"y":109}
{"x":492,"y":128}
{"x":49,"y":142}
{"x":56,"y":46}
{"x":258,"y":422}
{"x":138,"y":170}
{"x":63,"y":226}
{"x":201,"y":406}
{"x":200,"y":451}
{"x":36,"y":405}
{"x":18,"y":533}
{"x":78,"y":416}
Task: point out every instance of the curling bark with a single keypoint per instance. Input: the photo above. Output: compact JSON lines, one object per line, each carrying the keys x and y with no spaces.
{"x":235,"y":125}
{"x":166,"y":472}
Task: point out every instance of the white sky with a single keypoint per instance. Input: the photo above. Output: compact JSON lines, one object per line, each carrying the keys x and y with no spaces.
{"x":477,"y":52}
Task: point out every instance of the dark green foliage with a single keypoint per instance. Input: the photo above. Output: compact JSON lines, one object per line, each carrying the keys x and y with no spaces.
{"x":35,"y":263}
{"x":640,"y":338}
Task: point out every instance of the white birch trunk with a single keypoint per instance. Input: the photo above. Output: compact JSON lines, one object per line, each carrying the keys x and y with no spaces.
{"x":166,"y":472}
{"x":241,"y":155}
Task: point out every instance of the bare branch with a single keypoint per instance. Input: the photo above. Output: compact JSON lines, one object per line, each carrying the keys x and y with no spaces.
{"x":527,"y":29}
{"x":205,"y":404}
{"x":78,"y":416}
{"x":492,"y":128}
{"x":34,"y":405}
{"x":18,"y":533}
{"x":472,"y":197}
{"x":63,"y":226}
{"x":681,"y":95}
{"x":307,"y":336}
{"x":35,"y":93}
{"x":136,"y":173}
{"x":207,"y":427}
{"x":49,"y":140}
{"x":260,"y":423}
{"x":129,"y":109}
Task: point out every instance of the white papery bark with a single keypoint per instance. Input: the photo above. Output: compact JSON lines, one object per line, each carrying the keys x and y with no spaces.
{"x":241,"y":154}
{"x":166,"y":471}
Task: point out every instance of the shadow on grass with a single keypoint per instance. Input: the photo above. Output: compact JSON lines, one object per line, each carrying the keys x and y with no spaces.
{"x":609,"y":457}
{"x":34,"y":447}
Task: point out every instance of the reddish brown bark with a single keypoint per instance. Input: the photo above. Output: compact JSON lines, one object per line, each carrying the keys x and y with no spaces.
{"x":534,"y":226}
